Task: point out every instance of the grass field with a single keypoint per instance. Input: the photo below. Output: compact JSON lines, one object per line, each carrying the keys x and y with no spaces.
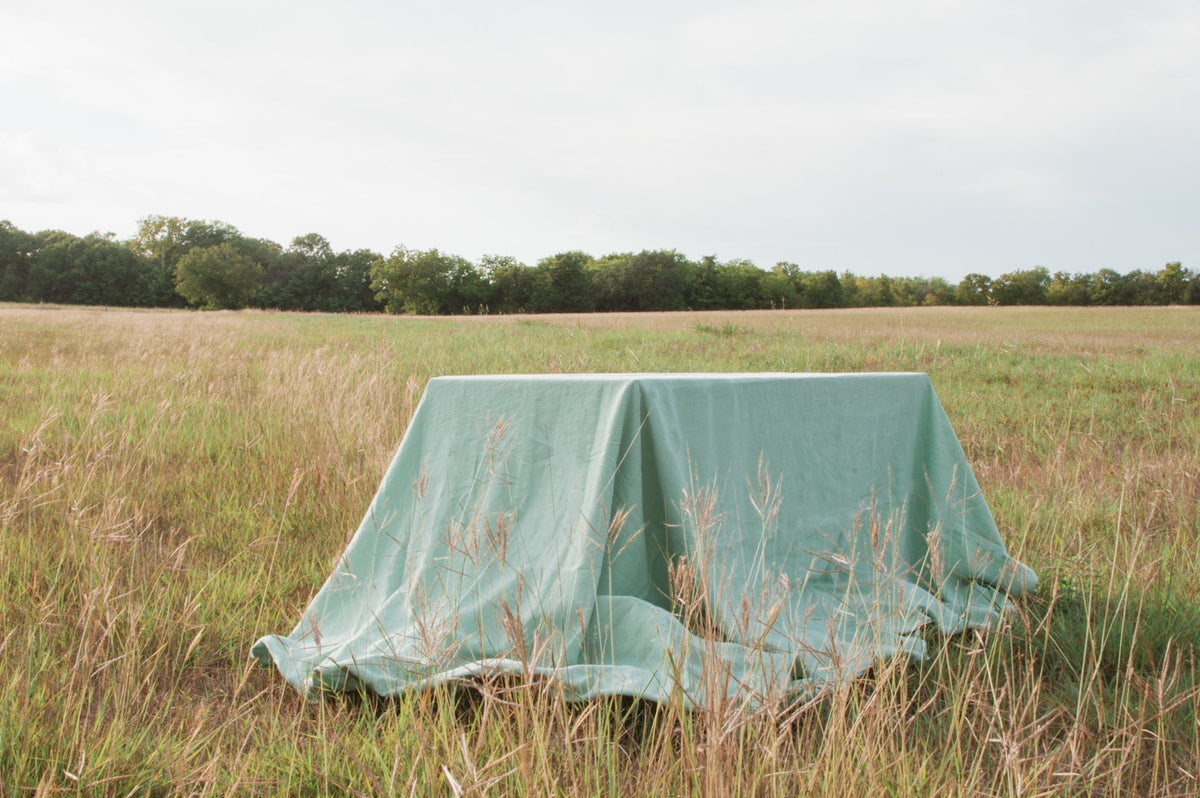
{"x":175,"y":484}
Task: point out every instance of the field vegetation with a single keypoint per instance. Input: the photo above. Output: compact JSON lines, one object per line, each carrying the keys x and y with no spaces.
{"x":175,"y":484}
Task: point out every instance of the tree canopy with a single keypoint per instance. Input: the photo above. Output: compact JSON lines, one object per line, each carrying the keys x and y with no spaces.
{"x":173,"y":262}
{"x":218,"y":277}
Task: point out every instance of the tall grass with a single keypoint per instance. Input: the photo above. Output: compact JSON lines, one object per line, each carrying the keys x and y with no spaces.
{"x":173,"y":485}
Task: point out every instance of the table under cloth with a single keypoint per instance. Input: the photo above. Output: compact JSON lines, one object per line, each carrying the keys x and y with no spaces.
{"x":752,"y":537}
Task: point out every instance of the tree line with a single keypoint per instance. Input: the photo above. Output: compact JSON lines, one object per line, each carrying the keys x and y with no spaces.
{"x":178,"y":262}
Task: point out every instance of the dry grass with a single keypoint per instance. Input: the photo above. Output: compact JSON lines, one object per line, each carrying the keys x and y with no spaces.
{"x":173,"y":485}
{"x":1087,"y":331}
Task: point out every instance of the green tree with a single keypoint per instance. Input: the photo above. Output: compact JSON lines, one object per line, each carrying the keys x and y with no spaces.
{"x":159,"y":241}
{"x":1023,"y":287}
{"x":469,"y":289}
{"x":781,"y":286}
{"x":1191,"y":288}
{"x":16,"y":255}
{"x":512,"y":283}
{"x":649,"y":280}
{"x":1109,"y":287}
{"x":974,"y":289}
{"x":93,"y":270}
{"x":301,"y":277}
{"x":850,"y":287}
{"x":564,"y":284}
{"x":50,"y":259}
{"x":875,"y":292}
{"x":203,"y":233}
{"x":821,"y":290}
{"x":163,"y":240}
{"x":218,"y":277}
{"x":102,"y":271}
{"x":1173,"y":281}
{"x":702,"y":285}
{"x":616,"y":283}
{"x":352,"y":270}
{"x":742,"y":285}
{"x":1068,"y":289}
{"x":427,"y":282}
{"x":1144,"y":288}
{"x":159,"y":238}
{"x":925,"y":291}
{"x":409,"y":281}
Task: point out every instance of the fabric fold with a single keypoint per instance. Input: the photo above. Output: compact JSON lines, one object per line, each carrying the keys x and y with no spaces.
{"x":745,"y":537}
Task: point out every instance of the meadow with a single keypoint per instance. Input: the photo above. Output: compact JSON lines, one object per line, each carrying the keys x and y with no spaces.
{"x":175,"y":484}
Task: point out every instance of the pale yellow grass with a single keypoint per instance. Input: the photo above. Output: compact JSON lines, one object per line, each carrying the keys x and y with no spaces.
{"x":174,"y":484}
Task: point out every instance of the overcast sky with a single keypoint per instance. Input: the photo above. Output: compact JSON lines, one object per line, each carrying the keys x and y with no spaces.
{"x":904,"y":138}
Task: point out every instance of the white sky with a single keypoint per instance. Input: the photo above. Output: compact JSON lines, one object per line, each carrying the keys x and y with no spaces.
{"x":923,"y":137}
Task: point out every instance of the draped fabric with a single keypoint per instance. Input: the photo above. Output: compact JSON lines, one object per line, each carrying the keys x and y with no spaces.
{"x":752,"y":537}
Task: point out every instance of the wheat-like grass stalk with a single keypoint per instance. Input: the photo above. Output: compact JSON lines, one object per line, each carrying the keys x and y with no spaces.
{"x":154,"y":466}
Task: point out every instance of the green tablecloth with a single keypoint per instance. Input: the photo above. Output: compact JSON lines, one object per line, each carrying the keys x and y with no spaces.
{"x":752,"y":536}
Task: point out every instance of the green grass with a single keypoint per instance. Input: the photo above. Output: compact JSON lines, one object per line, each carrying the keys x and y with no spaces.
{"x":158,"y":469}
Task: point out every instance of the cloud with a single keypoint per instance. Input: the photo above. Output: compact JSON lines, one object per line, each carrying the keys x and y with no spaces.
{"x":877,"y":136}
{"x":33,"y":170}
